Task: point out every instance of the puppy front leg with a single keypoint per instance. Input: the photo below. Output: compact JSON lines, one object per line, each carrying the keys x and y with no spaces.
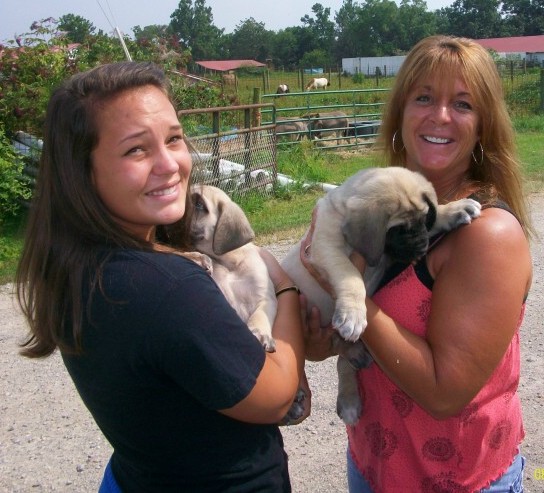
{"x":330,"y":256}
{"x":349,"y":317}
{"x":260,"y":323}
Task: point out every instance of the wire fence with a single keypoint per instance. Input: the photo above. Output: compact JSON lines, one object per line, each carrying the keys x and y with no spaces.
{"x":235,"y":160}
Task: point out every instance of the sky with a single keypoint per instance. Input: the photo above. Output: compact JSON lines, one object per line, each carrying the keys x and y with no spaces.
{"x":17,"y":18}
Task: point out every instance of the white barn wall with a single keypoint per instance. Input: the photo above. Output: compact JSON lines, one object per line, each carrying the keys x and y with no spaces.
{"x":389,"y":65}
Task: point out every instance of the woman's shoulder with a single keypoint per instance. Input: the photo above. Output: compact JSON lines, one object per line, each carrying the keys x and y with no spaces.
{"x":151,"y":265}
{"x":492,"y":240}
{"x":496,"y":226}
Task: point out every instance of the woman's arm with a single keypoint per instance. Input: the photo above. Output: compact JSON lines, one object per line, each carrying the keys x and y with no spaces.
{"x":278,"y":381}
{"x":482,"y":274}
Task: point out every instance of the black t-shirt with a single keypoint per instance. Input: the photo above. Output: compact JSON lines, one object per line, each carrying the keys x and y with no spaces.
{"x":162,"y":351}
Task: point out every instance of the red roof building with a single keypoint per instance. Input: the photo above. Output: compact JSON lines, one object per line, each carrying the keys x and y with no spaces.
{"x":226,"y":65}
{"x":530,"y":48}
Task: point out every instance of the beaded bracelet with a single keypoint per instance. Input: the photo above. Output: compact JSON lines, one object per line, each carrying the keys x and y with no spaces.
{"x":290,"y":288}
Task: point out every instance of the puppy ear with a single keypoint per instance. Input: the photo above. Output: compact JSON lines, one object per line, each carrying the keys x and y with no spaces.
{"x":365,"y":229}
{"x":232,"y":229}
{"x":431,"y":214}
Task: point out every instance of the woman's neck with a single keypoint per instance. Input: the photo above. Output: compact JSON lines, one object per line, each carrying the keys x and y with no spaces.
{"x":455,"y":189}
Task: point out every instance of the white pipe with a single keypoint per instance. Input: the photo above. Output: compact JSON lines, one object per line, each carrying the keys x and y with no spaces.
{"x":228,"y":168}
{"x":125,"y":49}
{"x":286,"y":180}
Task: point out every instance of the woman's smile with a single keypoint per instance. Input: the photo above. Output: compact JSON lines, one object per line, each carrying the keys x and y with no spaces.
{"x":141,"y":165}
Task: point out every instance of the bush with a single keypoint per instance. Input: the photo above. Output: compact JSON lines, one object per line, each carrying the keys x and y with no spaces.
{"x":28,"y":76}
{"x":13,"y":188}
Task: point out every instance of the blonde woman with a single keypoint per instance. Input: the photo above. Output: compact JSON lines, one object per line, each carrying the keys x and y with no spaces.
{"x":441,"y":409}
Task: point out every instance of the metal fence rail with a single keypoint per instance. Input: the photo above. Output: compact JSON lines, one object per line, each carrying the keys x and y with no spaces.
{"x":362,"y":107}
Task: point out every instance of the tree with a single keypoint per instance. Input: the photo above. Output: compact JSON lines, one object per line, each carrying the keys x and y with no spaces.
{"x":352,"y":38}
{"x":321,"y":26}
{"x":161,"y":45}
{"x":415,"y":23}
{"x":152,"y":33}
{"x":315,"y":58}
{"x":76,"y":28}
{"x":28,"y":76}
{"x":372,"y":29}
{"x":193,"y":24}
{"x":523,"y":17}
{"x":382,"y":19}
{"x":322,"y":30}
{"x":285,"y":49}
{"x":305,"y":40}
{"x":475,"y":19}
{"x":250,"y":40}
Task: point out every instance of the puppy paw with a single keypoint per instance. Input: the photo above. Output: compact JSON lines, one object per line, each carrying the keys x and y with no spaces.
{"x":296,"y":411}
{"x":350,"y":322}
{"x":267,"y":341}
{"x":207,"y":264}
{"x":201,"y":259}
{"x":464,"y":211}
{"x":349,"y":408}
{"x":472,"y":209}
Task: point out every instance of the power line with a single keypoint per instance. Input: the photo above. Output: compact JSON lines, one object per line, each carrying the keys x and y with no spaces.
{"x":105,"y":15}
{"x":111,"y":13}
{"x":115,"y":28}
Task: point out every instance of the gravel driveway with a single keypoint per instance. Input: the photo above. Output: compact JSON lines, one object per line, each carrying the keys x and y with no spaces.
{"x":49,"y":442}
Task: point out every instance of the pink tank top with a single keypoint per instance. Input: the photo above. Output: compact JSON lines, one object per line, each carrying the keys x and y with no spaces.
{"x":398,"y":447}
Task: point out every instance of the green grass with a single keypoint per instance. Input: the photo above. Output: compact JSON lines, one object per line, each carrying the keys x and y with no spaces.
{"x":530,"y":142}
{"x":11,"y":242}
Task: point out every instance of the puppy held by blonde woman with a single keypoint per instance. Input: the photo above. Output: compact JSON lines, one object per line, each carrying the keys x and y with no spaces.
{"x":442,"y":412}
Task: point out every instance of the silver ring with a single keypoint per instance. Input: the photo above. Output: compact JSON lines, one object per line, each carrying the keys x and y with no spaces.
{"x":307,"y":249}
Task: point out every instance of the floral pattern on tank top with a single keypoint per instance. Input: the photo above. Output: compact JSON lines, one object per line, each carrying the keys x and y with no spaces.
{"x":398,"y":447}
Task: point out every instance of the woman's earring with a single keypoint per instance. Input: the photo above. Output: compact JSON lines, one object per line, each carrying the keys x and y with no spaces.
{"x":393,"y":143}
{"x":481,"y":161}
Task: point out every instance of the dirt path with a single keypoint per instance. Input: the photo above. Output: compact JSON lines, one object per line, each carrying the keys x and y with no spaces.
{"x":49,"y":442}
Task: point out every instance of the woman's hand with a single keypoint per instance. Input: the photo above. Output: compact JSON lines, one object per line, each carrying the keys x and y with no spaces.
{"x":318,"y":340}
{"x":305,"y":257}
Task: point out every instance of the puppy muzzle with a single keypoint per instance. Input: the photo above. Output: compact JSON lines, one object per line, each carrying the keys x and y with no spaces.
{"x":406,"y":244}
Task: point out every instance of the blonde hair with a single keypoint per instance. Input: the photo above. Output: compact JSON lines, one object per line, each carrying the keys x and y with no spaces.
{"x":498,"y":170}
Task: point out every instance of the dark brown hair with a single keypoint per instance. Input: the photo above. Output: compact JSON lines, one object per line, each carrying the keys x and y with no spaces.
{"x":69,"y":228}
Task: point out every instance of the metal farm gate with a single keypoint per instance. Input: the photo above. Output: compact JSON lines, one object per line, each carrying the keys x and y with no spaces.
{"x":362,"y":109}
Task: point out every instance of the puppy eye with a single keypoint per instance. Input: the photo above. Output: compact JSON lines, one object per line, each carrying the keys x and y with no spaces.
{"x":199,"y":205}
